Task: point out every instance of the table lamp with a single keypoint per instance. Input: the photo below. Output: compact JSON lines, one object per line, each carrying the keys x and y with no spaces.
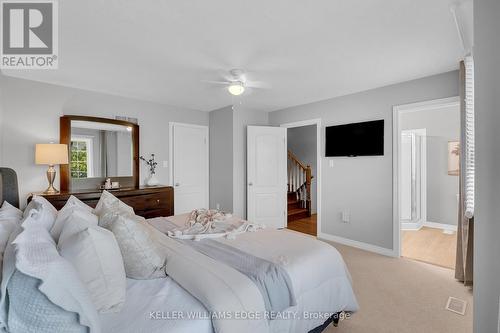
{"x":51,"y":154}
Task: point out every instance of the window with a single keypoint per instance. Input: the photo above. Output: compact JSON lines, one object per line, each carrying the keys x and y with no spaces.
{"x":81,"y":157}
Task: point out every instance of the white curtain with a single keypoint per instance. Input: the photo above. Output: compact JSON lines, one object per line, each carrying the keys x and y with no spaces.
{"x":469,"y":137}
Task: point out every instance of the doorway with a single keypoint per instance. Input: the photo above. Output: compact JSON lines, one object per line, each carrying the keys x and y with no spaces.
{"x":189,"y":166}
{"x":426,"y":141}
{"x":303,"y":176}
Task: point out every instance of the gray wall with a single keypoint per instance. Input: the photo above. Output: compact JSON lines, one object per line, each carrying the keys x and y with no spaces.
{"x":221,"y":158}
{"x":31,"y":115}
{"x":242,"y":118}
{"x":1,"y":121}
{"x":487,"y":205}
{"x":442,"y":125}
{"x":301,"y":141}
{"x":363,"y":185}
{"x":228,"y":128}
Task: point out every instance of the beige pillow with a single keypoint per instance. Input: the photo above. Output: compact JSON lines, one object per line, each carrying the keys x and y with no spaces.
{"x":142,"y":257}
{"x":97,"y":259}
{"x":108,"y":207}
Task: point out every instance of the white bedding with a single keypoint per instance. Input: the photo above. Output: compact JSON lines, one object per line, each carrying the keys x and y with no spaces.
{"x":154,"y":306}
{"x":171,"y":300}
{"x":319,"y":276}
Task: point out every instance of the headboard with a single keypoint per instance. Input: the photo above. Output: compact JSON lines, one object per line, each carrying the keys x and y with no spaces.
{"x":9,"y":190}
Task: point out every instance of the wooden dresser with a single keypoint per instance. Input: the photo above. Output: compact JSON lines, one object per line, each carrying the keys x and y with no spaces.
{"x":147,"y":201}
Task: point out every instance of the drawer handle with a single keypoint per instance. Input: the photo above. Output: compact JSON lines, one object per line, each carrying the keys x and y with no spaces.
{"x":157,"y":201}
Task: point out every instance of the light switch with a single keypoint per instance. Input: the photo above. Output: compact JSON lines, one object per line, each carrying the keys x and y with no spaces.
{"x":330,"y":163}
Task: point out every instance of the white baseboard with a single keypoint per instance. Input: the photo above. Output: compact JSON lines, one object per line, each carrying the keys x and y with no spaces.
{"x":360,"y":245}
{"x":411,"y":225}
{"x":440,"y":226}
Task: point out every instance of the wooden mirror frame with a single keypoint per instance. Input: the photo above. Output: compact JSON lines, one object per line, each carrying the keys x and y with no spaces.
{"x":65,"y":138}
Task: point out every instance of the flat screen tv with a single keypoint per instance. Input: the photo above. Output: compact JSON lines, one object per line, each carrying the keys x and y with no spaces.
{"x":357,"y":139}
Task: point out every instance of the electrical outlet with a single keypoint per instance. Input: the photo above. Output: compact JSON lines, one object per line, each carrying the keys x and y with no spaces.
{"x":346,"y":216}
{"x":217,"y":206}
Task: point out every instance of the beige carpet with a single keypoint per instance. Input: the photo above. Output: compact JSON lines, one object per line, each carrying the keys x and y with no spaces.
{"x":402,"y":296}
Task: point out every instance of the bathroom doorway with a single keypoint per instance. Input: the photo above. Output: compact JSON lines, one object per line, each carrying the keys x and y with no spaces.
{"x":427,"y":181}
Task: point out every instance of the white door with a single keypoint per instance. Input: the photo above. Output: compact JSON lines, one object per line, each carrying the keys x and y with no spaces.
{"x":189,"y":161}
{"x":266,"y":175}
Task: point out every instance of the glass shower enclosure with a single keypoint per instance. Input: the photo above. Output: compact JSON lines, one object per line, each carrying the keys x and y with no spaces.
{"x":412,"y":178}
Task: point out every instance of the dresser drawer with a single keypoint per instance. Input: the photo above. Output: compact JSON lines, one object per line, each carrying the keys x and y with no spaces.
{"x":147,"y":201}
{"x":152,"y":213}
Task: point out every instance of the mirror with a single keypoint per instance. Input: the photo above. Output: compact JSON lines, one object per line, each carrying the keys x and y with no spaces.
{"x":99,"y":148}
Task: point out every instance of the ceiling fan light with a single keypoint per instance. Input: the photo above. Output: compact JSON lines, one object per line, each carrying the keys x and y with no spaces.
{"x":236,"y":88}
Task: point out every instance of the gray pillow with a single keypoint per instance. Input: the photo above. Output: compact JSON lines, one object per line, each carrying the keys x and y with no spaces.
{"x":30,"y":310}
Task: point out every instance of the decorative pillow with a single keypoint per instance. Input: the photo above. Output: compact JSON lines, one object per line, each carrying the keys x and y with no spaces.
{"x":10,"y":218}
{"x":36,"y":255}
{"x":108,"y":207}
{"x":77,"y":221}
{"x":7,"y":211}
{"x":42,"y":316}
{"x":96,"y":257}
{"x":42,"y":211}
{"x":142,"y":257}
{"x":72,"y":204}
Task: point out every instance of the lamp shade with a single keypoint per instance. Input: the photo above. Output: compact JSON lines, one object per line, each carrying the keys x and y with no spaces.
{"x":51,"y":153}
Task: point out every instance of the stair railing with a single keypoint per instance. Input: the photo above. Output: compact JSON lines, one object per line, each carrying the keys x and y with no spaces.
{"x":299,"y":181}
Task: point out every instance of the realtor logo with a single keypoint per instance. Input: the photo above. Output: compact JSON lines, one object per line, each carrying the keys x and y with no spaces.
{"x":29,"y":34}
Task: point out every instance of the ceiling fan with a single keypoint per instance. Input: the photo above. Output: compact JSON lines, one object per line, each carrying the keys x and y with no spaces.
{"x":236,"y":82}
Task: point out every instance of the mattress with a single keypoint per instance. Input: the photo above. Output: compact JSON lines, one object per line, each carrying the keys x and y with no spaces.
{"x":154,"y":306}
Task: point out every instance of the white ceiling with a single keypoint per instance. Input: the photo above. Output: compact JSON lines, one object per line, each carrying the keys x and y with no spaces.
{"x":306,"y":50}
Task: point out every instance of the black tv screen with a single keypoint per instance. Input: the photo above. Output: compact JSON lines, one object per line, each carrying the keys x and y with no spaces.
{"x":358,"y":139}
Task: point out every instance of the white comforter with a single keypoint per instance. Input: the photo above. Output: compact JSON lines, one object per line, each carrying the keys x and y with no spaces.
{"x":312,"y":265}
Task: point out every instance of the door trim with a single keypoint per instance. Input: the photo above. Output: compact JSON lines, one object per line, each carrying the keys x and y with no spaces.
{"x":317,"y":122}
{"x":397,"y":110}
{"x":171,"y":155}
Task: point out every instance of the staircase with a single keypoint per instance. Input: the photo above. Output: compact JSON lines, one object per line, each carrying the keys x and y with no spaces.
{"x":299,"y":189}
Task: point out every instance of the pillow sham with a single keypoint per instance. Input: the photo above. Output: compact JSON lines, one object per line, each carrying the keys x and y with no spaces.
{"x":10,"y":218}
{"x":65,"y":213}
{"x":109,"y":206}
{"x":76,"y":221}
{"x":42,"y":211}
{"x":96,"y":257}
{"x":7,"y":211}
{"x":142,"y":257}
{"x":33,"y":253}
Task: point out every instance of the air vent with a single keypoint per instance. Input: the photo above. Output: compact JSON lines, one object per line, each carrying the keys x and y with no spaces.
{"x":456,"y":305}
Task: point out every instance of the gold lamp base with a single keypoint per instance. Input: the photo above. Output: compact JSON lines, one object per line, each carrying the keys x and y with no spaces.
{"x":51,"y":175}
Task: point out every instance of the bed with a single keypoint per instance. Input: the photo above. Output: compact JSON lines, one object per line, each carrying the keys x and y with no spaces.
{"x":197,"y":286}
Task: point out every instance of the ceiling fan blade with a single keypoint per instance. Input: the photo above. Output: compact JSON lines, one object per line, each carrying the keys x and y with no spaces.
{"x":215,"y":82}
{"x":258,"y":85}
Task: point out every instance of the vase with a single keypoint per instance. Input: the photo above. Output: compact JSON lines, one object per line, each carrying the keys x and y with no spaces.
{"x":152,"y":180}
